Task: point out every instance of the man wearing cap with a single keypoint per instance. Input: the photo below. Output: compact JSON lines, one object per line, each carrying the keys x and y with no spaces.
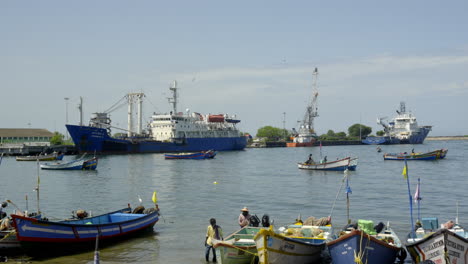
{"x":244,"y":217}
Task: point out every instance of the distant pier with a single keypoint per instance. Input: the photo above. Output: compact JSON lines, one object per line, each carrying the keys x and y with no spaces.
{"x":25,"y":150}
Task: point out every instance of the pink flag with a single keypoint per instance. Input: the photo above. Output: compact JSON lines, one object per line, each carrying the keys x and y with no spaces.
{"x":417,"y":194}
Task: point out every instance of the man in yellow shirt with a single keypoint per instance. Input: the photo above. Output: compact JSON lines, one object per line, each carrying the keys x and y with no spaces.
{"x":212,"y":232}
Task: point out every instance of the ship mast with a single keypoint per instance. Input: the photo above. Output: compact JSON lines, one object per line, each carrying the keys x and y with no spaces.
{"x":311,"y":110}
{"x":173,"y":100}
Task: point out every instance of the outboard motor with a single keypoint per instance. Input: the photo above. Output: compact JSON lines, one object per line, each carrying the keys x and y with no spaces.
{"x":254,"y":221}
{"x":266,"y":220}
{"x":379,"y":227}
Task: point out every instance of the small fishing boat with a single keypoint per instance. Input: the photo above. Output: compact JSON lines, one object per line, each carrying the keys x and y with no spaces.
{"x":365,"y":243}
{"x":237,"y":248}
{"x":78,"y":164}
{"x":432,"y":155}
{"x":35,"y":234}
{"x":445,"y":245}
{"x":209,"y":154}
{"x":337,"y":165}
{"x":274,"y":248}
{"x":297,"y":243}
{"x":41,"y":157}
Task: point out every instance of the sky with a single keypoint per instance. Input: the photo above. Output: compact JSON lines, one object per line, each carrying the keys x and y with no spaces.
{"x":254,"y":59}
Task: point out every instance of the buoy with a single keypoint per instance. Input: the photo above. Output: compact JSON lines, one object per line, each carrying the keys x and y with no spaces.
{"x":215,"y":182}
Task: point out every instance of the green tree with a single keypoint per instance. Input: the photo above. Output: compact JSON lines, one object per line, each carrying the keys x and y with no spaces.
{"x":271,"y":133}
{"x":357,"y":130}
{"x":57,"y":139}
{"x":380,"y":133}
{"x":331,"y":133}
{"x":341,"y":135}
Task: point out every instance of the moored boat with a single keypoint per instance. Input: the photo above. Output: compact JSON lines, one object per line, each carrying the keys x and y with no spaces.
{"x":431,"y":155}
{"x":41,"y":157}
{"x":275,"y":248}
{"x":167,"y":132}
{"x":306,"y":135}
{"x":35,"y":234}
{"x":237,"y":248}
{"x":79,"y":164}
{"x":442,"y":246}
{"x":366,"y":244}
{"x":194,"y":155}
{"x":403,"y":129}
{"x":337,"y":165}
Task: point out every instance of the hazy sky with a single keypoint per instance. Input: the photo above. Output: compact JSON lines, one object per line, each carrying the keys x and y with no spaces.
{"x":250,"y":58}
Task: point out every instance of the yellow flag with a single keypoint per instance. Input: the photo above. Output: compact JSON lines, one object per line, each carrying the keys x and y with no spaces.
{"x":404,"y":173}
{"x":155,"y":197}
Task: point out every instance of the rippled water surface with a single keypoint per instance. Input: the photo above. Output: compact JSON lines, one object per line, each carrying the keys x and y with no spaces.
{"x":265,"y":180}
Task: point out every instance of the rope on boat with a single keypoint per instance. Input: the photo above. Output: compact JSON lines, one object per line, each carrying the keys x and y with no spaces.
{"x":358,"y":257}
{"x":339,"y":191}
{"x":9,"y":234}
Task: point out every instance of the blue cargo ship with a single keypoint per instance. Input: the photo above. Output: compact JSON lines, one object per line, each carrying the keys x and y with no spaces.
{"x":403,"y":129}
{"x":170,"y":132}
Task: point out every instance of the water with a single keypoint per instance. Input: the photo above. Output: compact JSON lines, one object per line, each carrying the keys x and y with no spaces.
{"x":265,"y":180}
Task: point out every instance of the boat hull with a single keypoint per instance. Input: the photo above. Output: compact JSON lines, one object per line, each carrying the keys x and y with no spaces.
{"x":93,"y":139}
{"x":442,"y":247}
{"x":81,"y":164}
{"x":417,"y":138}
{"x":433,"y":155}
{"x":371,"y":250}
{"x":275,"y":249}
{"x":237,"y":248}
{"x":38,"y":234}
{"x":338,"y":165}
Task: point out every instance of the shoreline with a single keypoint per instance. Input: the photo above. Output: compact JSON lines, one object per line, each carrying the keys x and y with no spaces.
{"x":447,"y":138}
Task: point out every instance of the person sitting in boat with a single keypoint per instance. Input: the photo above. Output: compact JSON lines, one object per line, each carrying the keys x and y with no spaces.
{"x":213,"y":231}
{"x":324,"y":160}
{"x":244,"y":217}
{"x":310,"y":160}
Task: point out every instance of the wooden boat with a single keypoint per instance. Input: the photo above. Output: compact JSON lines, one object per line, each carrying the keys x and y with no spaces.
{"x":43,"y":157}
{"x":337,"y":165}
{"x":237,"y":248}
{"x":275,"y":248}
{"x":192,"y":155}
{"x":35,"y":234}
{"x":79,"y":164}
{"x":432,"y":155}
{"x":442,"y":245}
{"x":365,"y":245}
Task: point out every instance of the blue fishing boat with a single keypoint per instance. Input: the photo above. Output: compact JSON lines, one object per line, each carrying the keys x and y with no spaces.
{"x":167,"y":132}
{"x":36,"y":234}
{"x":366,"y":246}
{"x":403,"y":129}
{"x":353,"y":162}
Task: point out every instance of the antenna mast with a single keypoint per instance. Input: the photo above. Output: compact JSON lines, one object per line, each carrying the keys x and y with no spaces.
{"x":173,"y":100}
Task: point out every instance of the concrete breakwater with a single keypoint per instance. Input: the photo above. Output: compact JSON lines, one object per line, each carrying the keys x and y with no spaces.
{"x":23,"y":150}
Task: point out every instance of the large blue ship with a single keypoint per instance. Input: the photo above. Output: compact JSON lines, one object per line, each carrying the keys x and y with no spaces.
{"x":169,"y":132}
{"x":403,"y":129}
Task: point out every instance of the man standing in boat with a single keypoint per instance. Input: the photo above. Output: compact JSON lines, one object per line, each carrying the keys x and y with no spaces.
{"x":244,"y":217}
{"x":310,"y":160}
{"x":213,"y":231}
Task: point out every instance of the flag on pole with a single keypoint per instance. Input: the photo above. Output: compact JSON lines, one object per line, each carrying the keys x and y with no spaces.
{"x":348,"y":188}
{"x":405,"y":171}
{"x":155,"y":198}
{"x":417,"y":194}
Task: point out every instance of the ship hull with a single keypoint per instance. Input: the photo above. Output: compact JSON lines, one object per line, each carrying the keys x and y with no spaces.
{"x":92,"y":139}
{"x":384,"y":140}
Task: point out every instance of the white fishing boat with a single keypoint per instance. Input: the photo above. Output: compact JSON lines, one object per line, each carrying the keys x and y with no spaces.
{"x":337,"y":165}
